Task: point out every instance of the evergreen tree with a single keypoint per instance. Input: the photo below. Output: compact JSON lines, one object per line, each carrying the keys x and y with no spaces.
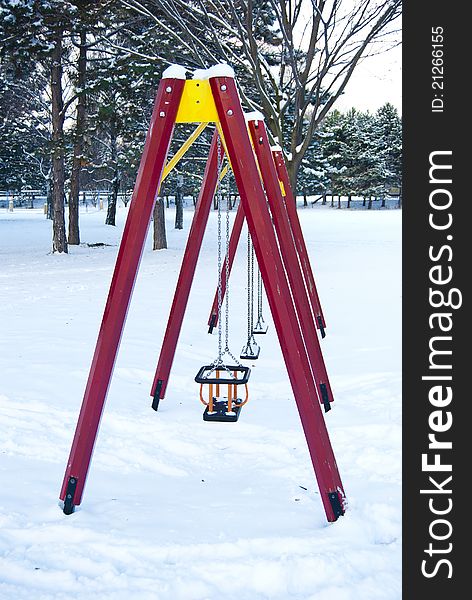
{"x":388,"y":133}
{"x":24,"y":129}
{"x":33,"y":34}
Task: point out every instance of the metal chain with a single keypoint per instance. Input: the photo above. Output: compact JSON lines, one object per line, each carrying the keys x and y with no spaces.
{"x":250,"y":294}
{"x":227,"y":350}
{"x":227,"y":270}
{"x":259,"y":294}
{"x":252,"y":287}
{"x":220,"y":285}
{"x":218,"y":362}
{"x":260,"y":319}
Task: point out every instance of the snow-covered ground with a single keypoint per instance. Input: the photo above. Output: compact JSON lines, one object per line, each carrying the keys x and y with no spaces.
{"x":176,"y":508}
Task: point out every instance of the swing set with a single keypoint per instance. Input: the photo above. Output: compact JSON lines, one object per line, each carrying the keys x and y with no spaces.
{"x":275,"y":245}
{"x":220,"y":376}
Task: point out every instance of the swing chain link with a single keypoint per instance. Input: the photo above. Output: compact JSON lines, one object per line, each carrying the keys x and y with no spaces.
{"x":227,"y":270}
{"x":250,"y":295}
{"x":218,"y":362}
{"x":259,"y":294}
{"x":252,"y":292}
{"x":220,"y":286}
{"x":251,"y":341}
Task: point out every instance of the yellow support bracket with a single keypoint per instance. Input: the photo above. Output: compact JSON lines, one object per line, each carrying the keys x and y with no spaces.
{"x":182,"y":150}
{"x":223,"y":172}
{"x":197,"y":104}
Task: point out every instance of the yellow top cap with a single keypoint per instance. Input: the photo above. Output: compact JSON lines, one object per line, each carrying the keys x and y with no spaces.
{"x":197,"y":104}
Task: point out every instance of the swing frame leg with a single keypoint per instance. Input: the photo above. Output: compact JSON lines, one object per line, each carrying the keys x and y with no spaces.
{"x":129,"y":256}
{"x":186,"y":275}
{"x":278,"y":293}
{"x":299,"y":240}
{"x":290,"y":260}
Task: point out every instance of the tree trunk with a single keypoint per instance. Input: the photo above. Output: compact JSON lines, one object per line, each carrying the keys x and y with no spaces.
{"x":113,"y":200}
{"x":179,"y":209}
{"x":324,"y":199}
{"x":383,"y":201}
{"x":349,"y":201}
{"x":159,"y":222}
{"x":363,"y":203}
{"x":332,"y":201}
{"x":74,"y":235}
{"x":59,"y":239}
{"x":369,"y":206}
{"x":115,"y":184}
{"x":305,"y":200}
{"x":293,"y":166}
{"x":339,"y":201}
{"x":49,"y":195}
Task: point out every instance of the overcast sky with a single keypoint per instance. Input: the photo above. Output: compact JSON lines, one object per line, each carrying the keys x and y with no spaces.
{"x":378,"y":79}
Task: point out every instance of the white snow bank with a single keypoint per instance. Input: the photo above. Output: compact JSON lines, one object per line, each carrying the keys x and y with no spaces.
{"x":170,"y":497}
{"x":276,"y":148}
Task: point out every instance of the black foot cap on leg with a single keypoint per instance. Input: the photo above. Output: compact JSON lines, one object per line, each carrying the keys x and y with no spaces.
{"x":321,"y":327}
{"x":336,"y":504}
{"x":324,"y":397}
{"x":212,"y":323}
{"x":157,"y":393}
{"x":69,"y":505}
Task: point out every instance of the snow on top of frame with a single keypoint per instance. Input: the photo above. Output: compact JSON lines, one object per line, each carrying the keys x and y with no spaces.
{"x":255,"y":115}
{"x":219,"y":70}
{"x":175,"y":72}
{"x":179,"y":72}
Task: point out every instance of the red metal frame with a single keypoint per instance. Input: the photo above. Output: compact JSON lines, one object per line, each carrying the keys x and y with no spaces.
{"x":187,"y":271}
{"x":129,"y":256}
{"x":300,"y":245}
{"x":289,"y":254}
{"x":277,"y":289}
{"x":275,"y":276}
{"x":290,"y":205}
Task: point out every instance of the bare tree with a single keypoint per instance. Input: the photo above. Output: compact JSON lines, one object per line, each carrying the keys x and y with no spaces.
{"x":179,"y":203}
{"x":77,"y":159}
{"x":296,"y":56}
{"x":59,"y":239}
{"x":159,"y":226}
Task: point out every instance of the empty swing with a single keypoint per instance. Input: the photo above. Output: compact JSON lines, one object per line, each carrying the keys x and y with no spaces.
{"x":223,"y":381}
{"x":251,"y":349}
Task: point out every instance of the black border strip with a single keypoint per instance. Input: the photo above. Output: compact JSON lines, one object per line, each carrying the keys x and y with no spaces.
{"x":425,"y":132}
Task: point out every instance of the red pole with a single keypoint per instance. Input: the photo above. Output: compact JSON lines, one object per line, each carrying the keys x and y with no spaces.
{"x":299,"y":241}
{"x":129,"y":256}
{"x":187,"y":271}
{"x":233,"y":245}
{"x":278,"y":293}
{"x":288,"y":251}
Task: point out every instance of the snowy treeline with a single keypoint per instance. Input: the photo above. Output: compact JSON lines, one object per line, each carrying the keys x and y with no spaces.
{"x":78,"y":78}
{"x":355,"y":154}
